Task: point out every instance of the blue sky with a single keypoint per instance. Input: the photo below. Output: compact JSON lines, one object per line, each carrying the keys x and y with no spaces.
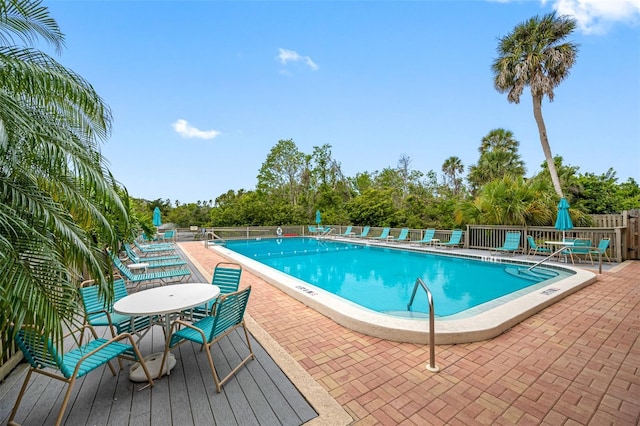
{"x":202,"y":90}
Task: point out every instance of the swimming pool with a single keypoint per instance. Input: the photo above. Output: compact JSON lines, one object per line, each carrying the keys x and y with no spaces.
{"x":302,"y":266}
{"x":382,"y":278}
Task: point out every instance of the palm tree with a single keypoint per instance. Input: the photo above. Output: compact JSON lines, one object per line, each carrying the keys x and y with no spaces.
{"x":58,"y":200}
{"x":509,"y":201}
{"x":499,"y":139}
{"x":498,"y":157}
{"x":535,"y":54}
{"x":452,"y":169}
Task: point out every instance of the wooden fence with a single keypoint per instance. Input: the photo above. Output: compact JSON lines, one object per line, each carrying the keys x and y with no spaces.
{"x":629,"y":224}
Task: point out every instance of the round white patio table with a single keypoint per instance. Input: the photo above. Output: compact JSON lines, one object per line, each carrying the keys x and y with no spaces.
{"x":164,"y":300}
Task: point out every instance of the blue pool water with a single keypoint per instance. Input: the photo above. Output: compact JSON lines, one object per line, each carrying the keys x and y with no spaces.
{"x":382,"y":279}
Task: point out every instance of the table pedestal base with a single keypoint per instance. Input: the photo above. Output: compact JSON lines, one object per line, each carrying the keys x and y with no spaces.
{"x":136,"y":372}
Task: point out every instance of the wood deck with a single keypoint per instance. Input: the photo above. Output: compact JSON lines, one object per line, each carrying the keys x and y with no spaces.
{"x":258,"y":394}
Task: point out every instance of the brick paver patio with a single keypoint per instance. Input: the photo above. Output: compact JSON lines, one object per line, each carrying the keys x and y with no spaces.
{"x":576,"y":362}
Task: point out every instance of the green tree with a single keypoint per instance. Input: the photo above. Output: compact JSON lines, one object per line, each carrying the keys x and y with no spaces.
{"x":56,"y":195}
{"x":629,"y":194}
{"x":361,"y":182}
{"x":498,"y":157}
{"x":373,"y":207}
{"x":601,"y":194}
{"x":329,"y":188}
{"x":281,"y":173}
{"x":535,"y":54}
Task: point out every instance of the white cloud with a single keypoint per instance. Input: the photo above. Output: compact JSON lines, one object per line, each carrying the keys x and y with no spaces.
{"x":286,"y":55}
{"x":184,"y":129}
{"x":596,"y":16}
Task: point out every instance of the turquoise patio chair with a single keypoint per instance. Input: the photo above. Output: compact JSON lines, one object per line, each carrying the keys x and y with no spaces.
{"x":383,"y":235}
{"x":98,"y":313}
{"x":43,"y":356}
{"x":169,"y":235}
{"x":404,"y":233}
{"x":511,"y":244}
{"x":535,"y":248}
{"x":226,"y":275}
{"x":454,"y":240}
{"x":364,"y":233}
{"x":227,"y":315}
{"x":428,"y":237}
{"x":601,"y":250}
{"x":580,"y":247}
{"x":346,"y":233}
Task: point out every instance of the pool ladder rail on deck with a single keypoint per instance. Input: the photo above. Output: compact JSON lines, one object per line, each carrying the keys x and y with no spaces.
{"x":432,"y":337}
{"x":215,"y":240}
{"x":326,"y":232}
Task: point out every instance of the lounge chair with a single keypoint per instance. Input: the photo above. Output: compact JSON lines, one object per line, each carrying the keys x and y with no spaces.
{"x":601,"y":250}
{"x":312,"y":229}
{"x":383,"y":235}
{"x":511,"y":244}
{"x":364,"y":233}
{"x":226,"y":316}
{"x":428,"y":237}
{"x":138,"y":259}
{"x":153,"y":263}
{"x":226,"y":275}
{"x":535,"y":248}
{"x":404,"y":233}
{"x":100,"y":314}
{"x":138,"y":279}
{"x":154,"y":248}
{"x":346,"y":233}
{"x":454,"y":240}
{"x":41,"y":352}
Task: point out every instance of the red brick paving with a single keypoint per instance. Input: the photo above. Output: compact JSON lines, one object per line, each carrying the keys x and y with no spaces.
{"x":576,"y":362}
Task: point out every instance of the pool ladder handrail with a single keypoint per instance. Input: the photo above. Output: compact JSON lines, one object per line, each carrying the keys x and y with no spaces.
{"x":326,"y":232}
{"x":432,"y":336}
{"x":214,"y":240}
{"x":565,"y":248}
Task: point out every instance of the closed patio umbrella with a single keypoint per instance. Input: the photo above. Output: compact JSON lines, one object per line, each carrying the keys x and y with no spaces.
{"x":563,"y":220}
{"x":157,"y":218}
{"x":318,"y":218}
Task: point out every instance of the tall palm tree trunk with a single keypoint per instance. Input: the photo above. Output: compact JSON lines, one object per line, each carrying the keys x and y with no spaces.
{"x":544,"y":141}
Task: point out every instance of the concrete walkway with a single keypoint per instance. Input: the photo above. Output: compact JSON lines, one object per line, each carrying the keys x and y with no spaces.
{"x":576,"y":362}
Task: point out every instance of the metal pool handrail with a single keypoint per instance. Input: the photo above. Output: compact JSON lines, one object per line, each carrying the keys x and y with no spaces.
{"x":564,"y":248}
{"x":432,"y":345}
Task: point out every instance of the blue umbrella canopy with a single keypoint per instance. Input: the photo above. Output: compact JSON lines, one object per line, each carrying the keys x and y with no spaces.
{"x":318,"y":218}
{"x":157,"y":218}
{"x":563,"y":220}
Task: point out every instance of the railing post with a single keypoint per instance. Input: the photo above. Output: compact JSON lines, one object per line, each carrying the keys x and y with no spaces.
{"x":432,"y":333}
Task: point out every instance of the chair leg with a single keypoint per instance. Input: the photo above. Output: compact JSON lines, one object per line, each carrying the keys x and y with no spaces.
{"x":219,"y":382}
{"x":20,"y":395}
{"x":216,"y":379}
{"x":246,"y":335}
{"x":65,"y":401}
